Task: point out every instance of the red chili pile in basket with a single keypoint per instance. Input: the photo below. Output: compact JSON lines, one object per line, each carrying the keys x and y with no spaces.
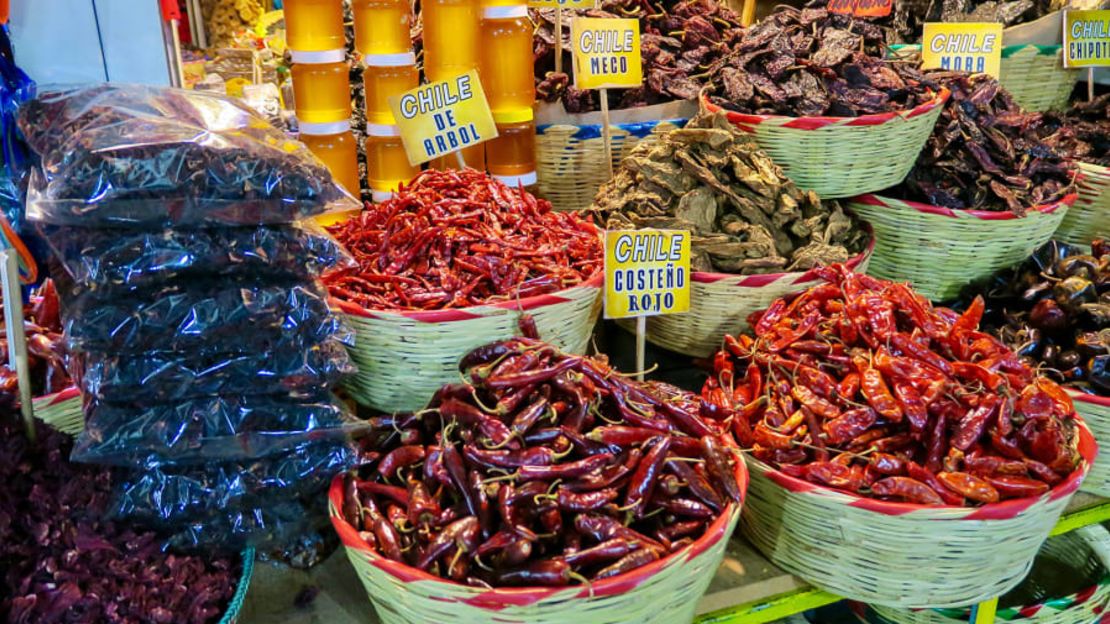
{"x":861,"y":385}
{"x":545,"y":469}
{"x":461,"y":238}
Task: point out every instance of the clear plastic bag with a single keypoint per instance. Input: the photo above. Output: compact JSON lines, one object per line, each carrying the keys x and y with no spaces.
{"x":274,"y":525}
{"x":116,"y":259}
{"x":141,"y":156}
{"x":241,"y":316}
{"x":205,"y":430}
{"x":162,"y":376}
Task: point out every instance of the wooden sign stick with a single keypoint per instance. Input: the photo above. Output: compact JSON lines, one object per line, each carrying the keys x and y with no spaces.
{"x":558,"y":39}
{"x":641,"y":334}
{"x":17,"y":339}
{"x":605,"y":137}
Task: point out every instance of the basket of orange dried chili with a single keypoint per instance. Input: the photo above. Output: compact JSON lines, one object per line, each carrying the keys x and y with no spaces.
{"x":898,"y":455}
{"x":451,"y":263}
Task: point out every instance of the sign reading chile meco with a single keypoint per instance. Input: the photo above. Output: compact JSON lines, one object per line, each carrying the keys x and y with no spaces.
{"x":647,"y":272}
{"x":606,"y":53}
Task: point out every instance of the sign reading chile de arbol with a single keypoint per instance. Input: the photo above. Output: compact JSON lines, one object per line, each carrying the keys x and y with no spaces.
{"x":442,"y":117}
{"x":647,"y":272}
{"x":1086,"y":38}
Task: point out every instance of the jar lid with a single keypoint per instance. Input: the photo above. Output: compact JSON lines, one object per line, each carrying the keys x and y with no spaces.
{"x":382,"y":130}
{"x":513,"y":181}
{"x":380,"y":196}
{"x":519,"y":115}
{"x":505,"y":12}
{"x":321,"y":129}
{"x":318,"y":58}
{"x":400,"y":59}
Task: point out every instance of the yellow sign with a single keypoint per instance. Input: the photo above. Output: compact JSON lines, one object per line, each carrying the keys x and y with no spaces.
{"x":442,"y":117}
{"x":647,"y":272}
{"x":606,"y":52}
{"x":1086,"y":38}
{"x":562,"y":4}
{"x":969,"y":47}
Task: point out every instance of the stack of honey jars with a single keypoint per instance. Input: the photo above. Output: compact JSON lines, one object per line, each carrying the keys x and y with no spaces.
{"x":506,"y":71}
{"x":451,"y":48}
{"x":383,"y":40}
{"x":321,"y":85}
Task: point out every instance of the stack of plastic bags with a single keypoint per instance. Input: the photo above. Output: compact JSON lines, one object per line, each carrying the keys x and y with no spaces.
{"x":198,"y":331}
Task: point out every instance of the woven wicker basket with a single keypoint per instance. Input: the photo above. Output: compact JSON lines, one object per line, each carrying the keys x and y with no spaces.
{"x":1035,"y":76}
{"x":1087,"y":546}
{"x":844,"y":156}
{"x":720,"y":304}
{"x":1089,"y":218}
{"x":404,"y":357}
{"x":663,"y":592}
{"x":899,"y":554}
{"x":941,"y":250}
{"x":1095,"y":411}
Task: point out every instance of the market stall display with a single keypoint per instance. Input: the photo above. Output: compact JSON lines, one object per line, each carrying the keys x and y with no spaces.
{"x":1081,"y":134}
{"x":860,"y":401}
{"x":622,"y":491}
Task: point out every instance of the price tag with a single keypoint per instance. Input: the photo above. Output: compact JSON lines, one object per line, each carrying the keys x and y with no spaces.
{"x":969,"y":47}
{"x":606,"y":53}
{"x":442,"y":117}
{"x":562,"y":4}
{"x":861,"y":8}
{"x":647,"y":272}
{"x":1086,"y":38}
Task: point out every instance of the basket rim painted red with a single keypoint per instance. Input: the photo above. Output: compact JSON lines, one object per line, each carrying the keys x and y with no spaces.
{"x":818,"y":122}
{"x":496,"y":598}
{"x":874,"y":199}
{"x":1082,"y":397}
{"x":1087,"y":447}
{"x":762,"y":279}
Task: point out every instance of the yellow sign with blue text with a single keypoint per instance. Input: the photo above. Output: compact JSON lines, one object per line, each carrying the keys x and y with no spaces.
{"x":562,"y":4}
{"x":442,"y":117}
{"x":647,"y":272}
{"x":1086,"y":38}
{"x":973,"y":47}
{"x":606,"y":53}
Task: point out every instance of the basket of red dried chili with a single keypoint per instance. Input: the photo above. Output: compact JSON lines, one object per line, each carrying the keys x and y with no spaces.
{"x":899,"y":456}
{"x":451,"y":263}
{"x":583,"y":496}
{"x":1095,"y":411}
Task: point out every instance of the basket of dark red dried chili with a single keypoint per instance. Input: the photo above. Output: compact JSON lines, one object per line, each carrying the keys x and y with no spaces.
{"x":815,"y":91}
{"x":549,"y":488}
{"x":450,"y":263}
{"x":984,"y":193}
{"x":899,"y":456}
{"x":1082,"y":133}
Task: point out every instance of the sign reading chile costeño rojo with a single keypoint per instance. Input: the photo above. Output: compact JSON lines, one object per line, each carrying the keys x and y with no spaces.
{"x":647,"y":272}
{"x":1086,"y":38}
{"x":606,"y":53}
{"x":442,"y":117}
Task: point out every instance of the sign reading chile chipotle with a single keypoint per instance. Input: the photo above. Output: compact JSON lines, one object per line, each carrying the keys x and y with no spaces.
{"x":861,"y":8}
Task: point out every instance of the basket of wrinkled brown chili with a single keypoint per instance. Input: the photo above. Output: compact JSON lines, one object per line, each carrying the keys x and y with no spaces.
{"x":1082,"y":133}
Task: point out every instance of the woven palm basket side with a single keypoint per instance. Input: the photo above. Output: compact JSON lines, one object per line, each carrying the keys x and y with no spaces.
{"x":663,"y":592}
{"x":1095,"y":411}
{"x":720,"y":304}
{"x":843,"y":156}
{"x":570,"y":159}
{"x":900,"y":554}
{"x":404,"y":357}
{"x":941,"y":250}
{"x":1089,"y":218}
{"x":1036,"y":77}
{"x":1088,"y":547}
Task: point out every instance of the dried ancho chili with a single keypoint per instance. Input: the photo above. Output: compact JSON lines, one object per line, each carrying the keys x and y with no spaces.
{"x":908,"y":19}
{"x":542,"y":468}
{"x":745,"y":215}
{"x":984,"y":153}
{"x":1082,"y":132}
{"x":861,"y":385}
{"x":454,"y":239}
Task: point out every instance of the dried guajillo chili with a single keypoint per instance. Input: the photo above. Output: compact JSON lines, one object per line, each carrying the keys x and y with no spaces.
{"x":920,"y":406}
{"x":590,"y":476}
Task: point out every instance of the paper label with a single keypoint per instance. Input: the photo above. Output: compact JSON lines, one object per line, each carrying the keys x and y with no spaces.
{"x":968,"y":47}
{"x":1086,"y":38}
{"x":562,"y":4}
{"x":647,"y":272}
{"x":606,"y":53}
{"x":861,"y":8}
{"x":442,"y":117}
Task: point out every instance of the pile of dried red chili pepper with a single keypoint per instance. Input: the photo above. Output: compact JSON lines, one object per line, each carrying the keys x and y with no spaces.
{"x":542,"y":470}
{"x":861,"y":385}
{"x":454,"y":239}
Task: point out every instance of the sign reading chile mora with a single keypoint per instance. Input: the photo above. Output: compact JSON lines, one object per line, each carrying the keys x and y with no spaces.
{"x":647,"y":272}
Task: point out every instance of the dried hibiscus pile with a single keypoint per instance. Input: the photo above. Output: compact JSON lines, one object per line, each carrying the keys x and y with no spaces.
{"x":63,"y":563}
{"x":984,"y":153}
{"x":745,"y":215}
{"x":1082,"y":132}
{"x":801,"y":62}
{"x":678,"y":42}
{"x":908,"y":19}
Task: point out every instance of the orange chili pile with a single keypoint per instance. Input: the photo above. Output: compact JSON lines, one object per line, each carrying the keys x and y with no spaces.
{"x":460,"y":238}
{"x":861,"y":385}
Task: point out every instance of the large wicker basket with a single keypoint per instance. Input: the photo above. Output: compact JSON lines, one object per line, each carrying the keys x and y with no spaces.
{"x":720,"y":304}
{"x":1088,"y":546}
{"x":1089,"y":218}
{"x":1036,"y":77}
{"x":844,"y":156}
{"x":1095,"y":411}
{"x":941,"y":250}
{"x":899,"y":554}
{"x":404,"y":357}
{"x":663,"y":592}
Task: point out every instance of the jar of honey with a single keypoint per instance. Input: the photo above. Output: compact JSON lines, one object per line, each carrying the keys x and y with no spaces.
{"x":334,"y":144}
{"x":450,"y":37}
{"x":321,"y":86}
{"x":385,"y":76}
{"x":511,"y":157}
{"x":314,"y":25}
{"x":387,"y":165}
{"x":474,"y":157}
{"x":506,"y":60}
{"x":382,"y":26}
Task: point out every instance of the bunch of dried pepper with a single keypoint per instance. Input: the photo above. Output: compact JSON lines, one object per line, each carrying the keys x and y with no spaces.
{"x":454,"y":239}
{"x":542,"y":469}
{"x":860,"y":385}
